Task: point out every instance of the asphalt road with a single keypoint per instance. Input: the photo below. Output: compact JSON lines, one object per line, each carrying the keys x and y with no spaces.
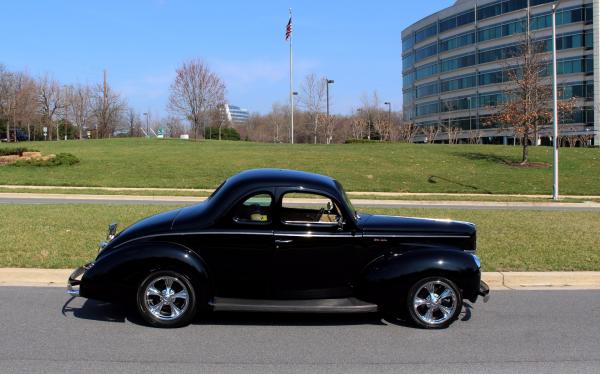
{"x":374,"y":204}
{"x":41,"y":331}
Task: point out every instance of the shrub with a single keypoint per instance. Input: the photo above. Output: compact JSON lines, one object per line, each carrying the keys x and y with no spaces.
{"x":60,"y":159}
{"x":362,"y":141}
{"x":15,"y":151}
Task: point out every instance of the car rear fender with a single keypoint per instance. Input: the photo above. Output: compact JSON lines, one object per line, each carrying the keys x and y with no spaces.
{"x":116,"y":276}
{"x":389,"y":278}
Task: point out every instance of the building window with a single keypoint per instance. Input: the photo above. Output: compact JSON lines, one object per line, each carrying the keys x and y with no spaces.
{"x":457,"y":21}
{"x":424,"y":52}
{"x":459,"y":83}
{"x":454,"y":63}
{"x":427,"y":108}
{"x":427,"y":89}
{"x":457,"y":41}
{"x":426,"y":32}
{"x":426,"y":71}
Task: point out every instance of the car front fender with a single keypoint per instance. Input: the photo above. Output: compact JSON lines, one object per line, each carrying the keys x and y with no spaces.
{"x":388,"y":278}
{"x":115,"y":276}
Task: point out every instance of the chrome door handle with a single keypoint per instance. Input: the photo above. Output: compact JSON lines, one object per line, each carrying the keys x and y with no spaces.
{"x":287,"y":241}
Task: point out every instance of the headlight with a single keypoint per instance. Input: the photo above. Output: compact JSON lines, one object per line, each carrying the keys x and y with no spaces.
{"x":477,"y":260}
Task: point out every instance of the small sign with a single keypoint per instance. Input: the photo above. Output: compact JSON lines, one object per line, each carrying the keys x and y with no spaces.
{"x":45,"y":129}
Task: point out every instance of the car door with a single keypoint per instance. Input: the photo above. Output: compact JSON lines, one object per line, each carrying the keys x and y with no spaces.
{"x":239,"y":248}
{"x":315,"y":255}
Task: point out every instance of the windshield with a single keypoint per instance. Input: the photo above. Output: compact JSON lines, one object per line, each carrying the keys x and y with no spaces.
{"x":346,"y":199}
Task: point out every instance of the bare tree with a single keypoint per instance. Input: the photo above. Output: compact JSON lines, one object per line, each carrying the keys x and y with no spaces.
{"x":330,"y":126}
{"x":313,"y":95}
{"x":474,"y":136}
{"x":453,"y":133}
{"x":7,"y":97}
{"x":195,"y":91}
{"x":407,"y":132}
{"x":25,"y":103}
{"x":528,"y":95}
{"x":174,"y":127}
{"x":359,"y":125}
{"x":431,"y":133}
{"x":78,"y":105}
{"x":107,"y":109}
{"x":134,"y":122}
{"x":51,"y":102}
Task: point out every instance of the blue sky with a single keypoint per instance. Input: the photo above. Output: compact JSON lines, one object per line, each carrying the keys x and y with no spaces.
{"x":140,"y":43}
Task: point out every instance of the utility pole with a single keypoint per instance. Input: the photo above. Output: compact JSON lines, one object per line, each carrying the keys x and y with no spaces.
{"x":104,"y":105}
{"x":555,"y":195}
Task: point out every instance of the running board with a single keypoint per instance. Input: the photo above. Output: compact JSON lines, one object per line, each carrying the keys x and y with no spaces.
{"x":346,"y":305}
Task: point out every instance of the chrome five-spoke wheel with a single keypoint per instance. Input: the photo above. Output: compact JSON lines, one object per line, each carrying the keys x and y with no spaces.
{"x":434,"y":302}
{"x":166,"y":299}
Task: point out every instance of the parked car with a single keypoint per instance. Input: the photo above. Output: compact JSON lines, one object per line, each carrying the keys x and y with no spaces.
{"x":285,"y":241}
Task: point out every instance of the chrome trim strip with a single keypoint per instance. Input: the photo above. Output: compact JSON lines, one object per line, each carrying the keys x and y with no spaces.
{"x":415,"y":236}
{"x":259,"y":233}
{"x":315,"y":235}
{"x":300,"y":234}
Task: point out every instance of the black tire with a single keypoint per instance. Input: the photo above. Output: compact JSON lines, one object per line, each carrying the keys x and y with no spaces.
{"x":439,"y":318}
{"x":175,"y":310}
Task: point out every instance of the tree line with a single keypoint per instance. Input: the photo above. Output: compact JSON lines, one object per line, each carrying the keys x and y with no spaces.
{"x":28,"y":105}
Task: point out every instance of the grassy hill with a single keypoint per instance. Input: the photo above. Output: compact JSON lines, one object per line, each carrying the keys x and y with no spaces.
{"x":360,"y":167}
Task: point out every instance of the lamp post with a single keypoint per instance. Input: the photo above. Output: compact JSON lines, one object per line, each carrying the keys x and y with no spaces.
{"x":555,"y":102}
{"x":328,"y":82}
{"x":389,"y":112}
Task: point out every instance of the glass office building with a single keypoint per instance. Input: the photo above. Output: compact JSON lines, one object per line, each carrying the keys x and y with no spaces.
{"x":236,"y":115}
{"x":454,"y":64}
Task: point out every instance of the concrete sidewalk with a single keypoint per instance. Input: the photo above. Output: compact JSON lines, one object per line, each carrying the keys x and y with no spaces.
{"x":352,"y":193}
{"x":496,"y":280}
{"x":53,"y":198}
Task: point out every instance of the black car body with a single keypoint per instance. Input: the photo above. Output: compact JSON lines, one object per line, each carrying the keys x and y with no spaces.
{"x":282,"y":240}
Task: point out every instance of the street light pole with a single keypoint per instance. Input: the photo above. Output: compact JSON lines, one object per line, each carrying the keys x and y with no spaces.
{"x":328,"y":82}
{"x":555,"y":103}
{"x":389,"y":112}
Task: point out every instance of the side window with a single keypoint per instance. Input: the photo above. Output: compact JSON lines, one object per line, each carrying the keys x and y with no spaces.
{"x":309,"y":208}
{"x":255,"y":209}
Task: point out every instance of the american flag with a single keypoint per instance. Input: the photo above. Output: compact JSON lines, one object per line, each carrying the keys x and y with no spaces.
{"x":288,"y":29}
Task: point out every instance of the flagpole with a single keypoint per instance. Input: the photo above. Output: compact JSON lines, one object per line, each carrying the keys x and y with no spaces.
{"x":291,"y":85}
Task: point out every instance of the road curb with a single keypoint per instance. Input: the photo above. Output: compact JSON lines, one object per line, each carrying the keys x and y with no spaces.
{"x":16,"y":197}
{"x":581,"y":280}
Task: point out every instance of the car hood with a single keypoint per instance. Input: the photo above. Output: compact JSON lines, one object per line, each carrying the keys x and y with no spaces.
{"x":390,"y":224}
{"x":156,"y":224}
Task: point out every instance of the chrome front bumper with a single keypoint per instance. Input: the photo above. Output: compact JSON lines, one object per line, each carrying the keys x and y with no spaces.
{"x":484,"y":291}
{"x":75,"y":279}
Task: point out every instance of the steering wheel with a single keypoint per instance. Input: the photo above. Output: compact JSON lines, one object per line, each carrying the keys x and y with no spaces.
{"x":317,"y":217}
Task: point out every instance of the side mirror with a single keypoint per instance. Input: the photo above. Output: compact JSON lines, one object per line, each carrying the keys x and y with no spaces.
{"x":112,"y":231}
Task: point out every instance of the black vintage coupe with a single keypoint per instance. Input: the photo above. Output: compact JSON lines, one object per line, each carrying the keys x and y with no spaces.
{"x":285,"y":241}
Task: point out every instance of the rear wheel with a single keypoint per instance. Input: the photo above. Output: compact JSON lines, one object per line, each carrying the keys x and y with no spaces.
{"x":167,"y":299}
{"x":434,"y":303}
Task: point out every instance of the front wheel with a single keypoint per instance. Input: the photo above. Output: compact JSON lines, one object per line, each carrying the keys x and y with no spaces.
{"x":434,"y":303}
{"x":166,"y":299}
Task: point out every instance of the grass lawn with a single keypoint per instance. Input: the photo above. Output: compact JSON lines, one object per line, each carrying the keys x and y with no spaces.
{"x":66,"y":236}
{"x":360,"y":167}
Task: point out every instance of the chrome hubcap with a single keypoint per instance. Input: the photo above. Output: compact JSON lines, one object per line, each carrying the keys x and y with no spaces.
{"x":166,"y":298}
{"x":435,"y":302}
